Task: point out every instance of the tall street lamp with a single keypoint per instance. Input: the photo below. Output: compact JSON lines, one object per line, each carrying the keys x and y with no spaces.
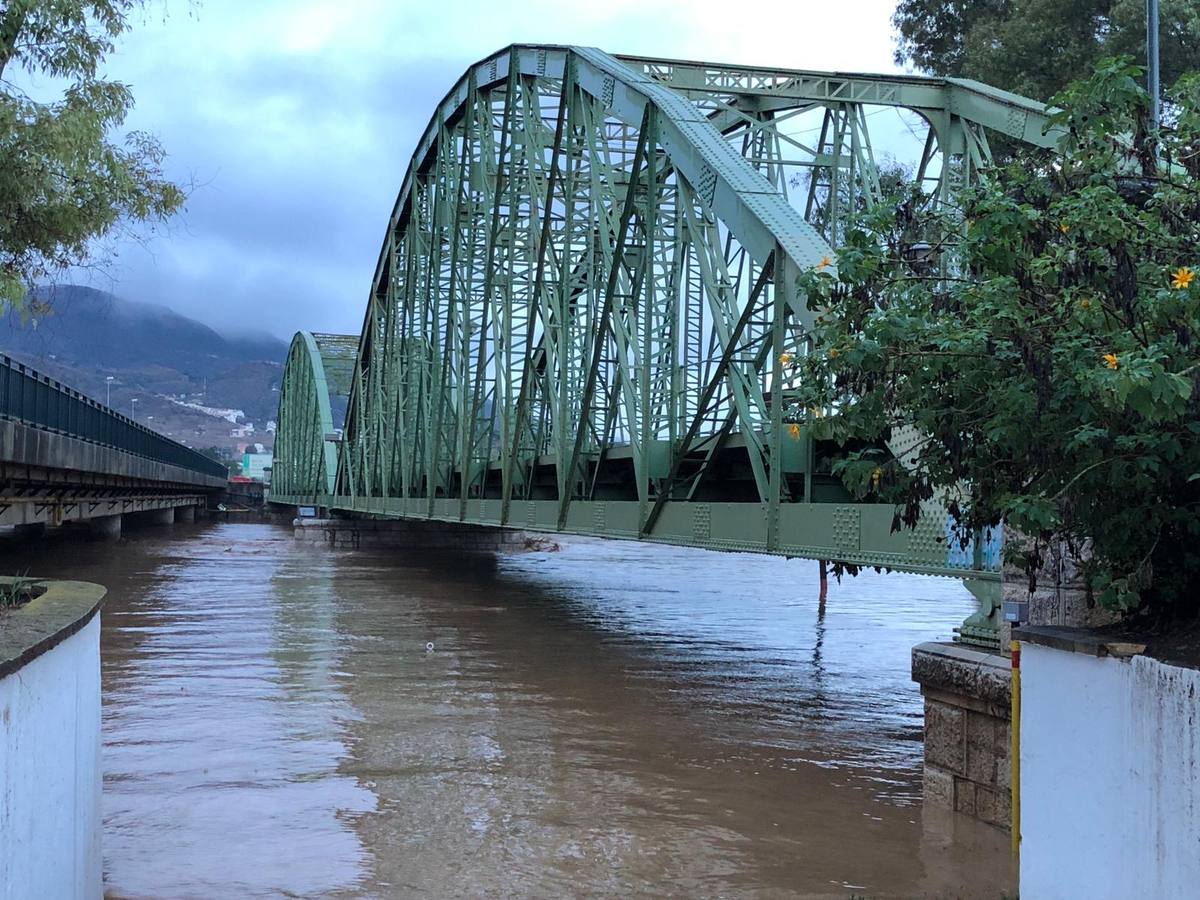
{"x":108,"y":380}
{"x":1152,"y":60}
{"x":133,"y":409}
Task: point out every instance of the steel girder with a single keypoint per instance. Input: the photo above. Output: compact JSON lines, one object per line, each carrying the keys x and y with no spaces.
{"x":586,"y":287}
{"x":312,"y":407}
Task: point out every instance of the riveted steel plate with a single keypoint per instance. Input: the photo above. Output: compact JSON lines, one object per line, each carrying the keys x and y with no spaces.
{"x":607,"y":90}
{"x":847,"y":528}
{"x":927,"y":542}
{"x":707,"y":186}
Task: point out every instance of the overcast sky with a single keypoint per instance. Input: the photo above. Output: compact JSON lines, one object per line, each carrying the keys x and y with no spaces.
{"x":295,"y":121}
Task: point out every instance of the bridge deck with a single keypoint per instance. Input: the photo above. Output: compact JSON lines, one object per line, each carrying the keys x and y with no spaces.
{"x":65,"y":456}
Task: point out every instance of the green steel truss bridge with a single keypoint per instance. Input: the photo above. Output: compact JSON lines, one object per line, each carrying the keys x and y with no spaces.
{"x":584,"y":293}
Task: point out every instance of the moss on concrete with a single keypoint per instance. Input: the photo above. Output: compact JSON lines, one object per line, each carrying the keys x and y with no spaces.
{"x":28,"y":631}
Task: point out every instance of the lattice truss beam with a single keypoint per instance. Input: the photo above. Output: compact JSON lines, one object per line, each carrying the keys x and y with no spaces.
{"x":589,"y":279}
{"x":312,"y":408}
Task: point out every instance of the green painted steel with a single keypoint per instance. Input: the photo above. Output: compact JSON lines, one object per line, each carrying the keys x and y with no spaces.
{"x":588,"y":286}
{"x":312,"y":407}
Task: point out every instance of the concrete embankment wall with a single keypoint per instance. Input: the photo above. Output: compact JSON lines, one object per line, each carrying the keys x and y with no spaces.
{"x":1110,"y":776}
{"x":50,"y":774}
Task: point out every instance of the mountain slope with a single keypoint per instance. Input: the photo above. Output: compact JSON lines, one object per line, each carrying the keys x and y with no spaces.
{"x":83,"y":336}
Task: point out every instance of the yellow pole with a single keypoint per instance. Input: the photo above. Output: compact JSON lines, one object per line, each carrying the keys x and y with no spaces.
{"x":1014,"y":750}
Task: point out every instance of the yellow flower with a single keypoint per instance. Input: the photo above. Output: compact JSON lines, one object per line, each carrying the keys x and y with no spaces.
{"x":1085,"y":303}
{"x":785,"y":359}
{"x":1064,"y":227}
{"x":825,"y":263}
{"x":1110,"y":360}
{"x":1181,"y":278}
{"x":876,"y":476}
{"x":833,"y":353}
{"x":794,"y":431}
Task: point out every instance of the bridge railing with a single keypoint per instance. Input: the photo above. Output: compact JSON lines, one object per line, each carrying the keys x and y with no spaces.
{"x":28,"y":396}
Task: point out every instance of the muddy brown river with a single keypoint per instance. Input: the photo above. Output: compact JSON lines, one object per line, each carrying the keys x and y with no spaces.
{"x":284,"y":720}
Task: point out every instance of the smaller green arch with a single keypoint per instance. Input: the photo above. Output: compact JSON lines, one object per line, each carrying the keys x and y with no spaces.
{"x":312,"y":410}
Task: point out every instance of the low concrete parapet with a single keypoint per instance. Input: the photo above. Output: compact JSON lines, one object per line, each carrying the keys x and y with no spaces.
{"x":50,"y":775}
{"x":28,"y":445}
{"x":967,"y":713}
{"x":1110,"y":769}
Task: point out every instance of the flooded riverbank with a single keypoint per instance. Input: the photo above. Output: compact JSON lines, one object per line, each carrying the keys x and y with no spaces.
{"x":613,"y":718}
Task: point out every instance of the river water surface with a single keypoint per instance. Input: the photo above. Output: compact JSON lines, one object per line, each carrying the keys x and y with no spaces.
{"x":284,"y":720}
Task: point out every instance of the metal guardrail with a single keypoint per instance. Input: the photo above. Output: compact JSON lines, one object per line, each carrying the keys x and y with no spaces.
{"x":28,"y":396}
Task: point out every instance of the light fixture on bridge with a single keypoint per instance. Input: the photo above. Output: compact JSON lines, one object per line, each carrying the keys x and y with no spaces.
{"x":919,"y":253}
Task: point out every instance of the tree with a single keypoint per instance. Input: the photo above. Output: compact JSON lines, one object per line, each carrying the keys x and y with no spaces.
{"x":223,"y":456}
{"x":63,"y":183}
{"x":1047,"y":350}
{"x":1037,"y":47}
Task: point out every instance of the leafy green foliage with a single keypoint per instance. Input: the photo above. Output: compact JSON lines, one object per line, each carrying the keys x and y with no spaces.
{"x":63,"y":183}
{"x":1037,"y":47}
{"x":223,"y":456}
{"x":1045,"y":340}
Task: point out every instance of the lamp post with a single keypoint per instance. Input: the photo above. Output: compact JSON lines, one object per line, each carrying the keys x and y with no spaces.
{"x":133,"y":409}
{"x":1152,"y":60}
{"x":108,"y":380}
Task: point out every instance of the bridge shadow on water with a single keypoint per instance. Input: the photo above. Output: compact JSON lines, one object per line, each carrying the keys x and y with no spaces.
{"x":677,"y":717}
{"x":609,"y":718}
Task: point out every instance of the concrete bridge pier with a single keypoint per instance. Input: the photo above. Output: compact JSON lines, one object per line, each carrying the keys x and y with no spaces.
{"x":30,"y":529}
{"x":160,"y":516}
{"x":420,"y":535}
{"x":185,"y":514}
{"x":968,"y":691}
{"x":105,"y":527}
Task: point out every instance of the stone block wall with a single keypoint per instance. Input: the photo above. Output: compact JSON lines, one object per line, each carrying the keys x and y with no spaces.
{"x":50,"y":770}
{"x":1060,"y":598}
{"x":967,"y":711}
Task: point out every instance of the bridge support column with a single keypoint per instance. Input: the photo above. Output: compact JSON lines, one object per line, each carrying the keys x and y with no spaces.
{"x":30,"y":530}
{"x":967,"y":689}
{"x":967,"y":712}
{"x":165,"y":516}
{"x":416,"y":534}
{"x":105,"y":527}
{"x":185,"y":514}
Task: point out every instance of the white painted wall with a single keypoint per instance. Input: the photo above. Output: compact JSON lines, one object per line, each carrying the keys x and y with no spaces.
{"x":50,"y":777}
{"x":1110,"y":777}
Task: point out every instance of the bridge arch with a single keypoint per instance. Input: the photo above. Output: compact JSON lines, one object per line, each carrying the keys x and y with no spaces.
{"x":589,"y":278}
{"x":312,"y":409}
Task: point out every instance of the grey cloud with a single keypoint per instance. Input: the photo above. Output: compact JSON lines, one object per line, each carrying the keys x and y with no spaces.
{"x":297,"y":152}
{"x":285,"y":239}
